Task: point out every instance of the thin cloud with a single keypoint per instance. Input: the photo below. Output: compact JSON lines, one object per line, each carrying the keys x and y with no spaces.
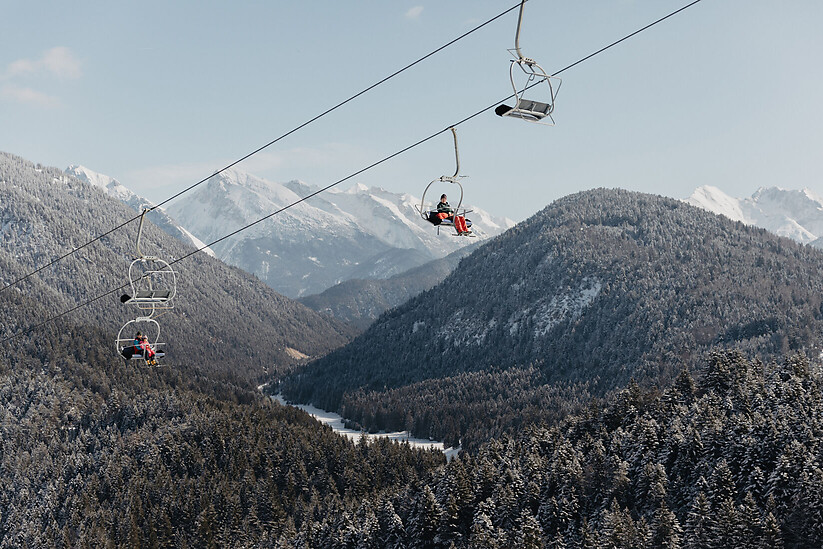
{"x":414,"y":13}
{"x":28,"y":96}
{"x":59,"y":62}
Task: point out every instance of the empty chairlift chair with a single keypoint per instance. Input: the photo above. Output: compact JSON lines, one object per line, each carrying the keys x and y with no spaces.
{"x":535,"y":80}
{"x":153,"y":284}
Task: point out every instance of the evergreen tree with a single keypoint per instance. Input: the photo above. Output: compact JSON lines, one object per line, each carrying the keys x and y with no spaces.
{"x":425,"y":518}
{"x":483,"y":532}
{"x":666,"y":531}
{"x":722,"y":488}
{"x":726,"y":526}
{"x":390,"y":534}
{"x":700,"y":523}
{"x":528,"y":535}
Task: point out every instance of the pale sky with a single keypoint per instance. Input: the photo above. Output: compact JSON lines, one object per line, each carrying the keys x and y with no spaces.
{"x":160,"y":94}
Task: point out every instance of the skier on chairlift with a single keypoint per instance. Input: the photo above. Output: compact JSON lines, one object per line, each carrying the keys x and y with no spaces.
{"x":445,"y":211}
{"x":141,"y":347}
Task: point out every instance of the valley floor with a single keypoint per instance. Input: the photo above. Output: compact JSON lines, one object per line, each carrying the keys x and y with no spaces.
{"x":337,"y":423}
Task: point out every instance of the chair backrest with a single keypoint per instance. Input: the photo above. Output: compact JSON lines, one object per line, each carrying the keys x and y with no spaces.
{"x":535,"y":108}
{"x":153,"y":295}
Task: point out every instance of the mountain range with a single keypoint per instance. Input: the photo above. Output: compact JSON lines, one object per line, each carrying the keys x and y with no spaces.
{"x":599,"y":288}
{"x":794,"y":214}
{"x":360,"y":301}
{"x":358,"y":270}
{"x":385,"y":280}
{"x":117,"y":190}
{"x":361,"y":232}
{"x":791,"y":213}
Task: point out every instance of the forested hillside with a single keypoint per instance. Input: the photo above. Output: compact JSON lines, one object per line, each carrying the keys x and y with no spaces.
{"x":361,"y":301}
{"x":224,"y":320}
{"x":596,"y":289}
{"x":730,"y":461}
{"x":95,"y":453}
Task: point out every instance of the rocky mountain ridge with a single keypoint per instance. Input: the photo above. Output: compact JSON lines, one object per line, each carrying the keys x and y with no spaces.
{"x":117,"y":190}
{"x":315,"y":244}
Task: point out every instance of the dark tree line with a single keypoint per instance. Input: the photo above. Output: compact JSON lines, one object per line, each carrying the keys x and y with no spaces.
{"x":731,"y":460}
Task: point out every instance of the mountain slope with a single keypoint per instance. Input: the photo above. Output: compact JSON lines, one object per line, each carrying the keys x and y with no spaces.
{"x":728,"y":460}
{"x":117,"y":190}
{"x":598,"y":288}
{"x":224,"y":320}
{"x":307,"y":248}
{"x":98,"y":453}
{"x":360,"y":301}
{"x":794,"y":214}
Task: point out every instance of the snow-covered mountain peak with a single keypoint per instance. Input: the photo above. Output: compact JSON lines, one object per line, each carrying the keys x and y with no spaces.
{"x":789,"y":200}
{"x":713,"y":199}
{"x":358,"y":188}
{"x":318,"y":242}
{"x":811,"y":195}
{"x":117,"y":190}
{"x":112,"y":187}
{"x":796,"y":214}
{"x":96,"y":179}
{"x":300,"y":187}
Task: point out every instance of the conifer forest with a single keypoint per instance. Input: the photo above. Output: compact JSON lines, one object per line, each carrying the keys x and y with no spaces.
{"x":624,"y":371}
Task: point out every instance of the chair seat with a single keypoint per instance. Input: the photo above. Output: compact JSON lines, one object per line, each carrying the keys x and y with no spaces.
{"x":526,"y":109}
{"x":432,"y":217}
{"x":139,"y":356}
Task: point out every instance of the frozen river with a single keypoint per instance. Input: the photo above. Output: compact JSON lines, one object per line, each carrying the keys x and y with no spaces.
{"x":335,"y":421}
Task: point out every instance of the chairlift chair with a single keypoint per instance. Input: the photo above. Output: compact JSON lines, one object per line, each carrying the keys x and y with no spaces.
{"x":429,"y":211}
{"x":152,"y":281}
{"x":153,"y":284}
{"x":531,"y":110}
{"x":148,"y":327}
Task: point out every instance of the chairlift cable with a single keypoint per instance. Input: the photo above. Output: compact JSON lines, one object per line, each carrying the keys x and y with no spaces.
{"x":327,"y":187}
{"x":616,"y":42}
{"x":270,"y":143}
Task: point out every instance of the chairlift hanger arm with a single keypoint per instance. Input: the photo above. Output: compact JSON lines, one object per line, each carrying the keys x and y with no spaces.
{"x":517,"y":34}
{"x":456,"y":153}
{"x":446,"y":178}
{"x":140,"y":230}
